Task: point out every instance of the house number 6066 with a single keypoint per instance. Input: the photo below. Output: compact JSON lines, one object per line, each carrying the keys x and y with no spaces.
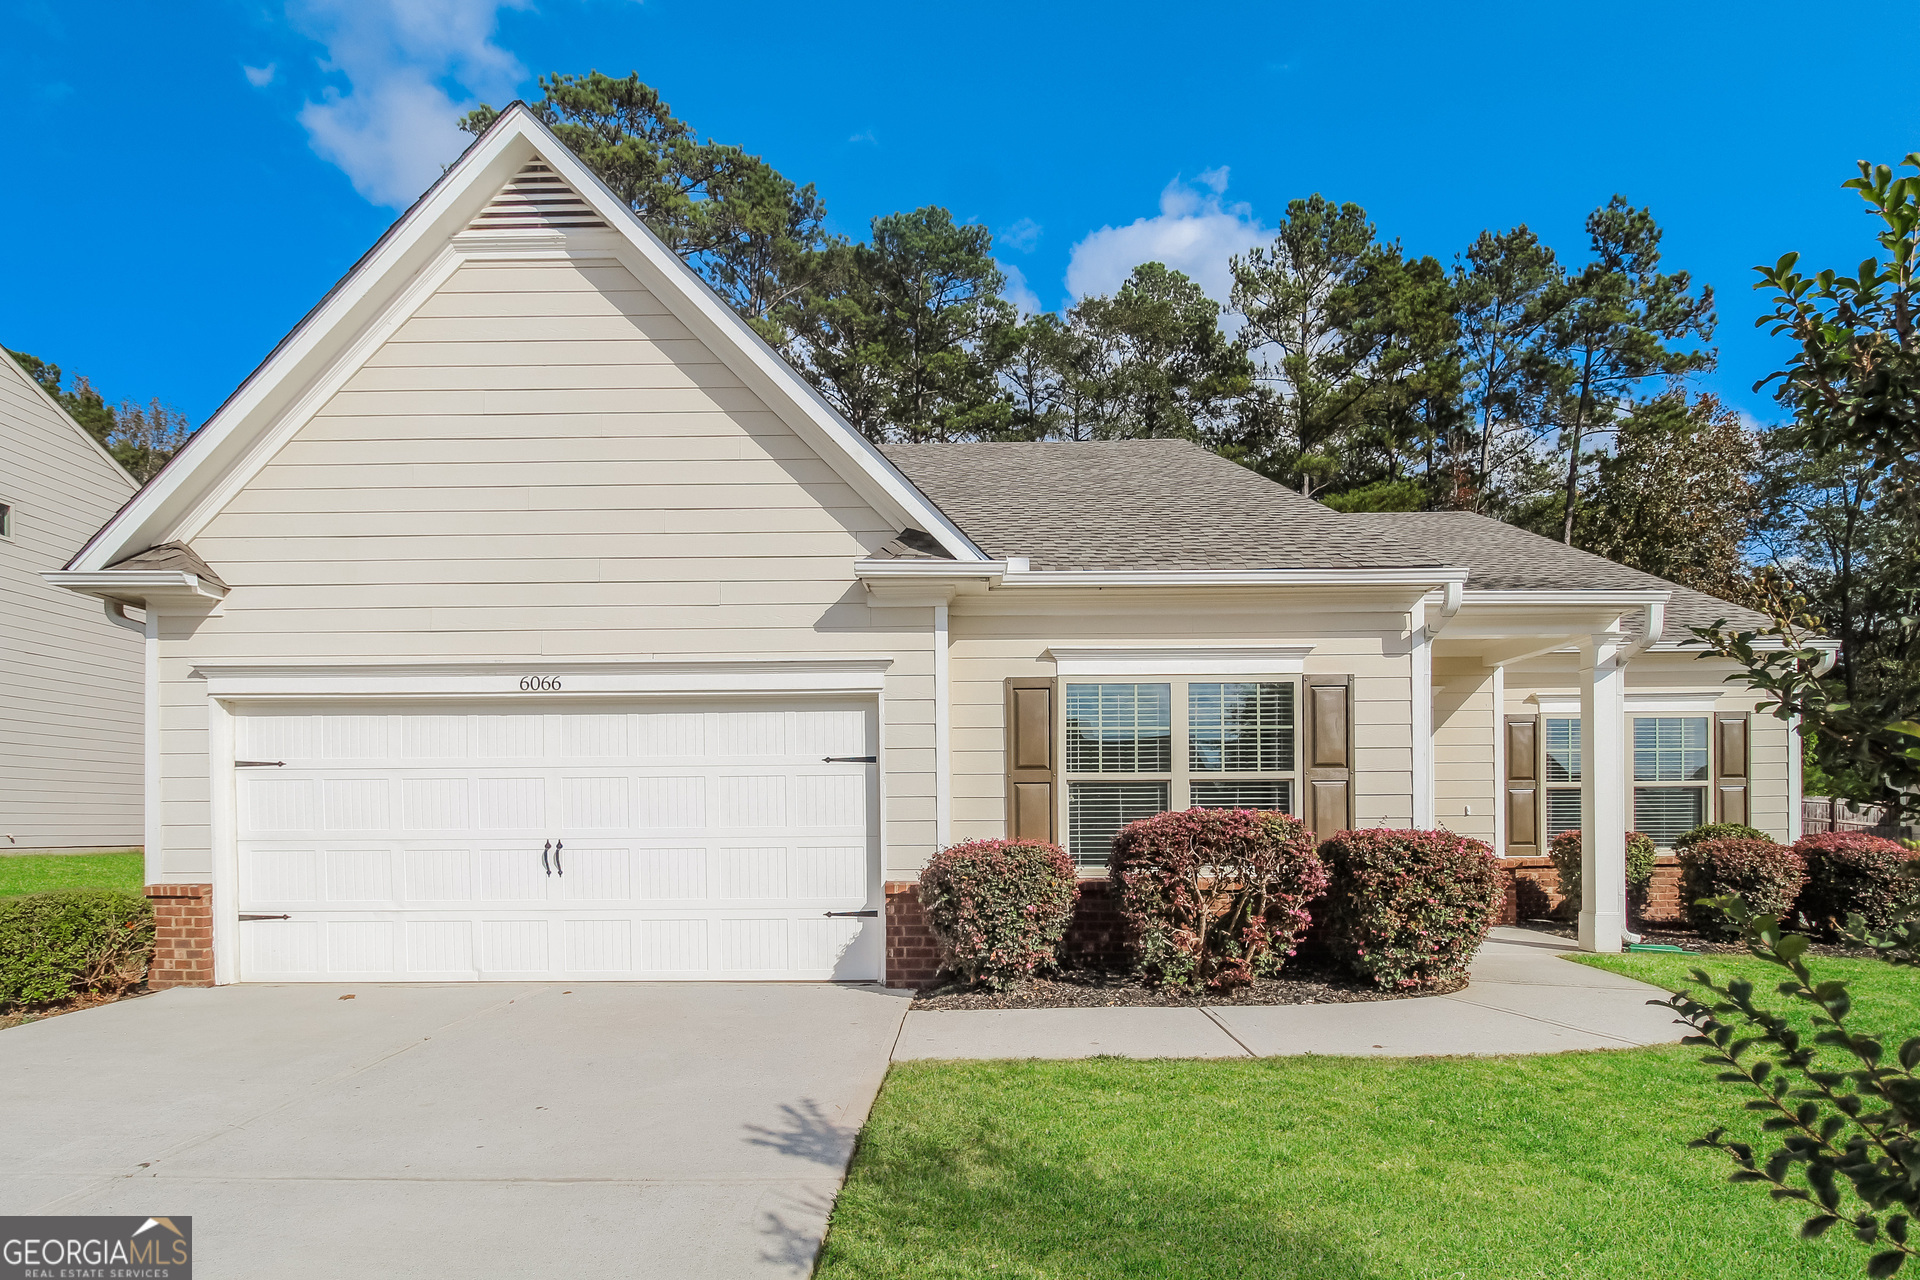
{"x":539,"y":684}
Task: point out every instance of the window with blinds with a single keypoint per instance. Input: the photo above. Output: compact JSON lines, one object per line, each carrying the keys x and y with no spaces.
{"x":1240,"y":728}
{"x":1669,"y":749}
{"x":1136,"y":749}
{"x":1275,"y":796}
{"x":1097,"y":810}
{"x":1561,"y":736}
{"x":1667,"y":813}
{"x":1119,"y":728}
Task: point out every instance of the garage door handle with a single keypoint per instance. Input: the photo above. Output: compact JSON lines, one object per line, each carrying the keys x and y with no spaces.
{"x":850,"y":759}
{"x":558,"y":845}
{"x":864,"y":915}
{"x":543,"y":857}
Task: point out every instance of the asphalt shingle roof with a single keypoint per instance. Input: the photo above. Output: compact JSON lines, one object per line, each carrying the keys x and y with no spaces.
{"x":170,"y":555}
{"x":1140,"y":505}
{"x":1171,"y":505}
{"x":1501,"y":557}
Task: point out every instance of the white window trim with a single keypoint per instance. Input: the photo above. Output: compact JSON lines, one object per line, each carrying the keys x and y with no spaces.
{"x":1177,"y":661}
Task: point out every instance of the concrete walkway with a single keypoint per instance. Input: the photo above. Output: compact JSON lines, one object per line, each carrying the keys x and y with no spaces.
{"x":1522,"y":999}
{"x":600,"y":1129}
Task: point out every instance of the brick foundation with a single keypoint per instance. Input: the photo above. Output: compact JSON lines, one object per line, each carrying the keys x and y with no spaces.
{"x":182,"y":937}
{"x":1095,"y":937}
{"x":1533,"y":892}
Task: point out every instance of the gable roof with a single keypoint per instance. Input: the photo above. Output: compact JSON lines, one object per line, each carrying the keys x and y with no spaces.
{"x":1503,"y":557}
{"x":1141,"y":505}
{"x":516,"y":191}
{"x":92,"y":442}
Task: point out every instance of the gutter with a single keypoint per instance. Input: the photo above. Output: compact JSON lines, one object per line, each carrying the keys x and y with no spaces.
{"x":136,"y":586}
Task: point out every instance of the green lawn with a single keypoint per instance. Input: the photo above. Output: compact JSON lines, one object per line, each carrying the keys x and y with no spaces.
{"x":1325,"y":1168}
{"x":37,"y":872}
{"x":1883,"y":996}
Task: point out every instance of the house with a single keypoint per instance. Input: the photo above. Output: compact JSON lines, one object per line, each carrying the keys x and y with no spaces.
{"x":70,"y":687}
{"x":524,"y":616}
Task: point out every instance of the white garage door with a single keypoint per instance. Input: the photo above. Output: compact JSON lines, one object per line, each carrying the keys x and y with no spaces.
{"x":611,"y":841}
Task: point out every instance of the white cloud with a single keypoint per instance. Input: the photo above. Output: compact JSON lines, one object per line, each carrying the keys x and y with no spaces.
{"x":1018,"y":291}
{"x":260,"y":77}
{"x":865,"y":135}
{"x":1194,"y":233}
{"x":1022,"y":235}
{"x":404,"y":60}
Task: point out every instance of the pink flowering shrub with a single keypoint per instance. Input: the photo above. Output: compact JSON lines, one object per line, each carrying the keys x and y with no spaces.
{"x":999,"y":908}
{"x":1764,"y":875}
{"x":1853,"y":873}
{"x":1408,"y":908}
{"x":1214,"y":897}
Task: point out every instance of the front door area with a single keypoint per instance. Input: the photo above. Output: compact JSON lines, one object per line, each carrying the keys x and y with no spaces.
{"x":730,"y":840}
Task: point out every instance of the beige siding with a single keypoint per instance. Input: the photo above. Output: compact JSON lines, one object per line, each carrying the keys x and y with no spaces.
{"x":70,"y":681}
{"x":993,"y":641}
{"x":1465,"y":789}
{"x":543,"y":465}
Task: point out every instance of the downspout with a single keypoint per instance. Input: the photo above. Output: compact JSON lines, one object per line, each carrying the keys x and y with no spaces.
{"x":149,"y":630}
{"x":942,"y":733}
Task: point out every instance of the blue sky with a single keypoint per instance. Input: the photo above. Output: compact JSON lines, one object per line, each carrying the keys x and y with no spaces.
{"x":189,"y":178}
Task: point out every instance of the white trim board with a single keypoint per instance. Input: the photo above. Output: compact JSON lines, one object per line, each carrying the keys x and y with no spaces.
{"x":394,"y":681}
{"x":1179,"y":660}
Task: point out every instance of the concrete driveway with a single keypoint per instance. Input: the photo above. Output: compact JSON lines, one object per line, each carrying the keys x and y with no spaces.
{"x":602,"y":1129}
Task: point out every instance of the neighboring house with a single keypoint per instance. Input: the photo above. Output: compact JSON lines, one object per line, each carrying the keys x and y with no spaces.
{"x":70,"y":686}
{"x":554,"y":627}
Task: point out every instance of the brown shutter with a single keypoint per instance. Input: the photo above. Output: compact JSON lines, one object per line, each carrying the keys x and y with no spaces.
{"x":1329,"y":774}
{"x":1030,"y":763}
{"x":1730,"y":750}
{"x":1523,"y":786}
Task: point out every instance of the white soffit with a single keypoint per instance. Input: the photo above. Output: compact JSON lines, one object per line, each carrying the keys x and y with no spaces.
{"x":1179,"y":660}
{"x":425,"y":246}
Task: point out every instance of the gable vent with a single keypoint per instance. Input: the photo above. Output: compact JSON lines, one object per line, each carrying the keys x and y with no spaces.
{"x":536,"y":199}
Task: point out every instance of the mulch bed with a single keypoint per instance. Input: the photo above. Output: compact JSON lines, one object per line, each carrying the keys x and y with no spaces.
{"x":1680,"y":936}
{"x":1303,"y":981}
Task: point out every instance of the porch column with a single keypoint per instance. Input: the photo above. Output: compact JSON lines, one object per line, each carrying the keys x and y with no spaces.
{"x":1603,"y":793}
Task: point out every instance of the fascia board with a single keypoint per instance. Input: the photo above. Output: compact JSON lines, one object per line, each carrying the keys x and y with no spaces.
{"x":34,"y":388}
{"x":306,"y":354}
{"x":1632,"y":598}
{"x":1421,"y":579}
{"x":796,"y":401}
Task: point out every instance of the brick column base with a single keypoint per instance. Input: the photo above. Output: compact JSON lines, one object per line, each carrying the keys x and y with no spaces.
{"x":1533,"y":892}
{"x":182,"y":936}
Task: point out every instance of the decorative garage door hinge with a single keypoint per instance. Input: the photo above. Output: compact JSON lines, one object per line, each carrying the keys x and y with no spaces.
{"x":850,"y":759}
{"x":864,"y":915}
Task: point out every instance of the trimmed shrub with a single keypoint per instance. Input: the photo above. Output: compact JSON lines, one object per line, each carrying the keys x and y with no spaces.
{"x":1851,"y":871}
{"x":1214,"y":897}
{"x":1719,"y":831}
{"x":999,"y":908}
{"x":73,"y":942}
{"x":1408,"y":908}
{"x":1565,"y":852}
{"x":1764,"y":875}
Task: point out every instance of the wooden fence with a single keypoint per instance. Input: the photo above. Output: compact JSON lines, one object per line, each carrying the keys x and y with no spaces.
{"x":1822,"y":813}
